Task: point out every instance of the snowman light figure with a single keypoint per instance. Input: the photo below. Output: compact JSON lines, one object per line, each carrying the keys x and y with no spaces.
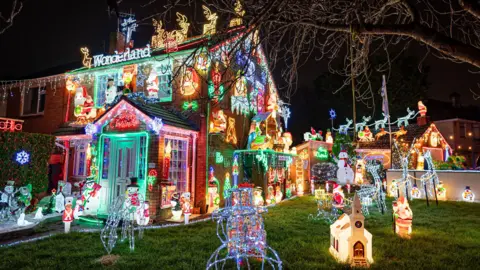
{"x":344,"y":172}
{"x":7,"y":202}
{"x":111,"y":92}
{"x":25,"y":197}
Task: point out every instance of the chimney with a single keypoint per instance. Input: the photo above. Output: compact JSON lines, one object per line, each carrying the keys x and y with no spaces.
{"x":117,"y":42}
{"x":455,"y":98}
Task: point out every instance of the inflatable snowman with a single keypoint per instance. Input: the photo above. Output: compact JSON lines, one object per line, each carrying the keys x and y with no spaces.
{"x":344,"y":172}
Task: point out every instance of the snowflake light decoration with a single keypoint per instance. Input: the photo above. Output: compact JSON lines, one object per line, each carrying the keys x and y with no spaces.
{"x":156,"y":125}
{"x":22,"y":157}
{"x":90,"y":129}
{"x":333,"y":114}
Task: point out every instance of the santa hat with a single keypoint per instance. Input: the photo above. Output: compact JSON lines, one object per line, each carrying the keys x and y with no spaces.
{"x":401,"y":200}
{"x":312,"y":131}
{"x":84,"y":91}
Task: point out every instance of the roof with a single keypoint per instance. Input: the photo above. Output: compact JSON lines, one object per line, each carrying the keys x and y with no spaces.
{"x":169,"y":116}
{"x":261,"y":116}
{"x":65,"y":130}
{"x":413,"y":131}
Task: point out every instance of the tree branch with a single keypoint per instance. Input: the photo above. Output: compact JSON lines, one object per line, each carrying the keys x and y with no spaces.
{"x":7,"y":22}
{"x":470,"y":7}
{"x":427,"y":36}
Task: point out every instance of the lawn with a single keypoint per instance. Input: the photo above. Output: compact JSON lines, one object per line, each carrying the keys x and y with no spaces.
{"x":444,"y":237}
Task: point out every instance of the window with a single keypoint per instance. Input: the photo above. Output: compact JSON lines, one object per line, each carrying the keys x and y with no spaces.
{"x":80,"y":162}
{"x":164,"y":74}
{"x":463,"y":130}
{"x":33,"y":101}
{"x":178,"y":164}
{"x":101,"y":84}
{"x":476,"y":131}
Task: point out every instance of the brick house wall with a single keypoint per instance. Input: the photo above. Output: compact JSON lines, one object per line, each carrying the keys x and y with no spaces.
{"x":56,"y":99}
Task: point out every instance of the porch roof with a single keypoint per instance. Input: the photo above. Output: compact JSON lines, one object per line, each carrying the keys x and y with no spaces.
{"x":169,"y":116}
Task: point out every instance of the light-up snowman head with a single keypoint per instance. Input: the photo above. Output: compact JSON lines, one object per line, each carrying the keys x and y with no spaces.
{"x":80,"y":94}
{"x":133,"y":188}
{"x":9,"y":188}
{"x":25,"y":190}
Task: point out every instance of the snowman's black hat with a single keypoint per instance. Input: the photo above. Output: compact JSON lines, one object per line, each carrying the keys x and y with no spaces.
{"x":133,"y":182}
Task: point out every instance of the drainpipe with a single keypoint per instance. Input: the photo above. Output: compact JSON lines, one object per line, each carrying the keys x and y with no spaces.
{"x":65,"y":147}
{"x":194,"y":153}
{"x":208,"y":150}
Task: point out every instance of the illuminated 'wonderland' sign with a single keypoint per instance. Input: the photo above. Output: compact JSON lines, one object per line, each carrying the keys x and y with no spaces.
{"x":127,"y":55}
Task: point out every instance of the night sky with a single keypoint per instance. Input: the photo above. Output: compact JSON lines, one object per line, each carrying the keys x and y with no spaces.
{"x":50,"y":33}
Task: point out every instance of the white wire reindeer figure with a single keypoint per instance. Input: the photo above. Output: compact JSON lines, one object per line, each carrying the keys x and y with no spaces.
{"x":430,"y":178}
{"x":128,"y":210}
{"x":368,"y":193}
{"x":405,"y":181}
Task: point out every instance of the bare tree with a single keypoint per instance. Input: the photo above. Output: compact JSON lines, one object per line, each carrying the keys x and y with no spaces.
{"x":6,"y":20}
{"x":293,"y":31}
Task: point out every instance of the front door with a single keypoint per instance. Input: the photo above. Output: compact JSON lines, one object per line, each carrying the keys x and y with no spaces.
{"x":124,"y":166}
{"x":122,"y":156}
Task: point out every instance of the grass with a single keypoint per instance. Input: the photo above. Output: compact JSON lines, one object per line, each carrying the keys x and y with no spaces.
{"x":444,"y":237}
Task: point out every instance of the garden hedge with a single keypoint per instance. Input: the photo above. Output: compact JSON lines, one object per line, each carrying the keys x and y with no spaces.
{"x":35,"y":172}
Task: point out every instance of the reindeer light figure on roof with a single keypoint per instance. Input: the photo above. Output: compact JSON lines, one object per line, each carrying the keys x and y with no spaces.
{"x":360,"y":126}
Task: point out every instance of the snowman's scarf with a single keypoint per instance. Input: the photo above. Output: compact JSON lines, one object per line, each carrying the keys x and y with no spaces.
{"x":345,"y":162}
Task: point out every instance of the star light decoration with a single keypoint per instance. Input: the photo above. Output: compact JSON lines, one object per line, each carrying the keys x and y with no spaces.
{"x":333,"y":114}
{"x":22,"y":157}
{"x":91,"y":129}
{"x":156,"y":125}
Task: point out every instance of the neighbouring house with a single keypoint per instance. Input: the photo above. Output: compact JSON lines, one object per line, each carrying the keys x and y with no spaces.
{"x":426,"y":136}
{"x":176,"y":114}
{"x":464,"y":137}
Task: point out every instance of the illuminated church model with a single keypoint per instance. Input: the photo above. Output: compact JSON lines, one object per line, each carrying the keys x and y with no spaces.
{"x":349,"y":241}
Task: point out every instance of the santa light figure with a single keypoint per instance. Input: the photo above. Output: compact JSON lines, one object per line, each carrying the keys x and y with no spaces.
{"x":344,"y":172}
{"x":67,"y":216}
{"x":402,"y":215}
{"x":338,"y":196}
{"x":422,"y":109}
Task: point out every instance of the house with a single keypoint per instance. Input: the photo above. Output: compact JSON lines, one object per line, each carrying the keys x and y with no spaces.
{"x":350,"y":242}
{"x":464,"y":137}
{"x":171,"y":113}
{"x":426,"y":137}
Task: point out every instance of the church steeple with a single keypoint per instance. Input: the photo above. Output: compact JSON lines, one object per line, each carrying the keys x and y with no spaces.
{"x":357,"y":218}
